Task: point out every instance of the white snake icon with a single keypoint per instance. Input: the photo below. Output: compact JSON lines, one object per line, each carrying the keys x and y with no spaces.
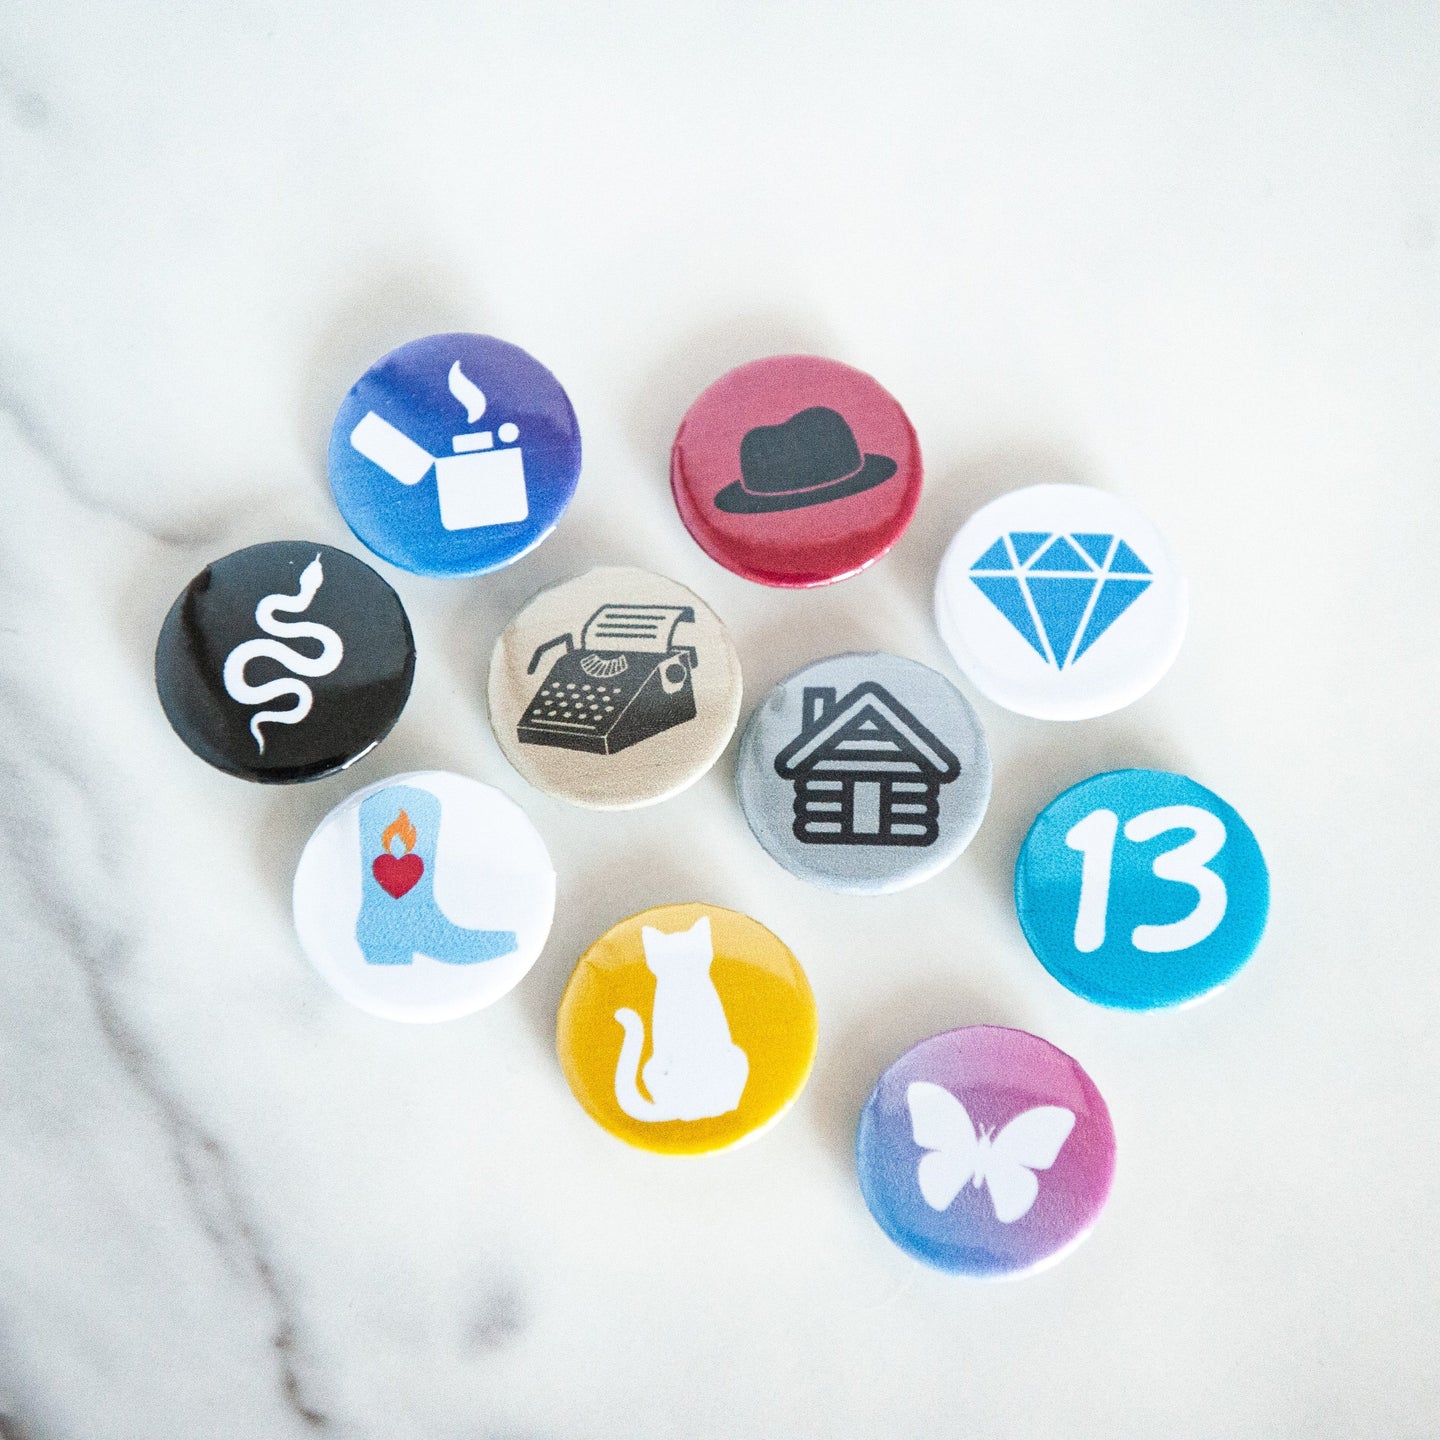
{"x":331,"y":653}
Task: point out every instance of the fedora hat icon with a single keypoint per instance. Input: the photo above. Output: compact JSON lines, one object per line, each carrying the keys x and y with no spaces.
{"x":808,"y":459}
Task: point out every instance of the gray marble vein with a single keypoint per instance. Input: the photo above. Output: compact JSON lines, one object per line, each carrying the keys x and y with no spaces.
{"x":61,"y":820}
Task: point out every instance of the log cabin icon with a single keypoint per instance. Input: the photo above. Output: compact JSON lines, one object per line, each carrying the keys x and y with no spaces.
{"x":865,"y":770}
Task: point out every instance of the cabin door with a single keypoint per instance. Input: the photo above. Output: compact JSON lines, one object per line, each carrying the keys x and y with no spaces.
{"x":866,"y":808}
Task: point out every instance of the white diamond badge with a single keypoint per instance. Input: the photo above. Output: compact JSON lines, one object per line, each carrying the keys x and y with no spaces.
{"x":1060,"y":601}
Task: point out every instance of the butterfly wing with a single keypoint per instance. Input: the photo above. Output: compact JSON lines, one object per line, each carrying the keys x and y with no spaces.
{"x":1030,"y":1142}
{"x":940,"y":1124}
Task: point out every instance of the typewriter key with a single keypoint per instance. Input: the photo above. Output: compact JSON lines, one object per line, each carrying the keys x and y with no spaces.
{"x":864,"y":773}
{"x":614,"y":690}
{"x":795,"y":471}
{"x":284,"y":661}
{"x":424,"y":897}
{"x":421,"y":482}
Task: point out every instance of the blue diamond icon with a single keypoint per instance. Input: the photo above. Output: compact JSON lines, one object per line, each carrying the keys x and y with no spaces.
{"x":1060,"y":591}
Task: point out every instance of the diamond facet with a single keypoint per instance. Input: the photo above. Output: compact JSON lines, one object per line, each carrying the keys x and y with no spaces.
{"x":1061,"y":555}
{"x":1061,"y":592}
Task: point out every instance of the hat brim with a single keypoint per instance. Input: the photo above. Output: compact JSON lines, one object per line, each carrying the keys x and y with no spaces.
{"x":735,"y":499}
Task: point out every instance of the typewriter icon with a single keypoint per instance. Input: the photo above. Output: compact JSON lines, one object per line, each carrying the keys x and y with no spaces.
{"x":626,"y":681}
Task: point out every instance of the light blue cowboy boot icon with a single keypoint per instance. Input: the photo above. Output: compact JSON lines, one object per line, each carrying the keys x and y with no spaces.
{"x":399,"y":916}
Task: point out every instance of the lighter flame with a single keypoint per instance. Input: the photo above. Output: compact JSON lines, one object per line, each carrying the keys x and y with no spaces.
{"x":399,"y":829}
{"x":467,"y":392}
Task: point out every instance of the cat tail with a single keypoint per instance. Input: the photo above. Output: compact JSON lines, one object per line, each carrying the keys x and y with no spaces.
{"x":627,"y":1070}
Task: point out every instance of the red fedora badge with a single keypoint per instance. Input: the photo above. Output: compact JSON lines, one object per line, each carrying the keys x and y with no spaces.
{"x":796,"y":470}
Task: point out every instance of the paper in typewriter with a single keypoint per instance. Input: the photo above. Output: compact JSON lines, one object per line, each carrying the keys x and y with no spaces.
{"x":615,"y":689}
{"x":649,"y":629}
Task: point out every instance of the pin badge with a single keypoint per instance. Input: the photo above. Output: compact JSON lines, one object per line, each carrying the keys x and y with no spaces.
{"x":687,"y":1029}
{"x":613,"y":690}
{"x":454,"y":455}
{"x":864,"y":772}
{"x":1061,"y":602}
{"x":796,"y":470}
{"x":424,"y":897}
{"x":284,"y":661}
{"x":1139,"y":889}
{"x":985,"y":1152}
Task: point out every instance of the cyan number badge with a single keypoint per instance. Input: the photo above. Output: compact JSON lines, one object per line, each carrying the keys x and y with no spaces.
{"x":454,"y":455}
{"x":1139,"y":888}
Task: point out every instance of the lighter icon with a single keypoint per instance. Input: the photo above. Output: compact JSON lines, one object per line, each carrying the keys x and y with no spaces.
{"x":481,"y":484}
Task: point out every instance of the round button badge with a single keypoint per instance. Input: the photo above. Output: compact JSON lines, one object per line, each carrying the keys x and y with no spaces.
{"x":613,"y":690}
{"x":985,"y":1152}
{"x":284,"y":661}
{"x":424,"y":897}
{"x":1061,"y":602}
{"x":796,"y":470}
{"x":864,"y":772}
{"x":687,"y":1029}
{"x":1139,"y":888}
{"x":454,"y":455}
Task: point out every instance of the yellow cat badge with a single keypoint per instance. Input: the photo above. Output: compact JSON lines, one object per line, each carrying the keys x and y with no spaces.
{"x":686,"y":1029}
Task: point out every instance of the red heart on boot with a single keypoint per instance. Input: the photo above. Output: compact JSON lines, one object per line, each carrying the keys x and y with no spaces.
{"x":398,"y":874}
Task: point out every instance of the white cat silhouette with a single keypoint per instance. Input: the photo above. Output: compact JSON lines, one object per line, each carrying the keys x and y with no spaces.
{"x":695,"y":1070}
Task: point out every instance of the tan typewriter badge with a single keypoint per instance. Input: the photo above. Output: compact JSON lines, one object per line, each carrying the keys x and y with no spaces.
{"x":614,"y":690}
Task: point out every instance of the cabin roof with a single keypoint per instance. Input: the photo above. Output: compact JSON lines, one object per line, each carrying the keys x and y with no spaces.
{"x":869,"y":729}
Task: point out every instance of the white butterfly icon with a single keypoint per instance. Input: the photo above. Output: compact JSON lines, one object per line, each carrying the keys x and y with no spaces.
{"x":1004,"y":1162}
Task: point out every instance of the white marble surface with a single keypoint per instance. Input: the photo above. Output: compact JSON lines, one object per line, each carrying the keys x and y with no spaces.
{"x":1186,"y":253}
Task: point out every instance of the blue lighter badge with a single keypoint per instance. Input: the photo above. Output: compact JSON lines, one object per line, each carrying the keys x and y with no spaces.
{"x":454,"y":455}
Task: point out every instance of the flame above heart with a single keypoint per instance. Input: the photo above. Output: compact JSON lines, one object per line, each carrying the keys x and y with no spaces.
{"x":398,"y":872}
{"x":399,"y":829}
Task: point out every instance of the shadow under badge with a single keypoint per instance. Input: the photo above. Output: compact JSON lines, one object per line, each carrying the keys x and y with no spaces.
{"x":399,"y":915}
{"x":625,"y":682}
{"x":865,"y":770}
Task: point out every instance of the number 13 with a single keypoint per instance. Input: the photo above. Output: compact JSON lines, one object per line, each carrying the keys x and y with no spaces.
{"x":1186,"y":864}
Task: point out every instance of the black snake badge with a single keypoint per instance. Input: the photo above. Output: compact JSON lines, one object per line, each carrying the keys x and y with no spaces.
{"x":332,"y":652}
{"x":284,"y":661}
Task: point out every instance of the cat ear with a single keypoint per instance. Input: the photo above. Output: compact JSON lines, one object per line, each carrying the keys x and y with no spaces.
{"x":648,"y":935}
{"x":702,"y":928}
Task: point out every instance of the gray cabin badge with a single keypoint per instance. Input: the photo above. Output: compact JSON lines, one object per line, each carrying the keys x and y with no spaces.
{"x":865,"y":770}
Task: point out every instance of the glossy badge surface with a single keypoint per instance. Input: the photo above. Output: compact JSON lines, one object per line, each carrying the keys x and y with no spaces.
{"x":285,"y":661}
{"x":1061,"y":602}
{"x":454,"y":455}
{"x":796,"y":470}
{"x":613,"y":690}
{"x":687,"y":1029}
{"x":424,"y":897}
{"x":986,"y":1152}
{"x":1139,"y":888}
{"x":864,"y":772}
